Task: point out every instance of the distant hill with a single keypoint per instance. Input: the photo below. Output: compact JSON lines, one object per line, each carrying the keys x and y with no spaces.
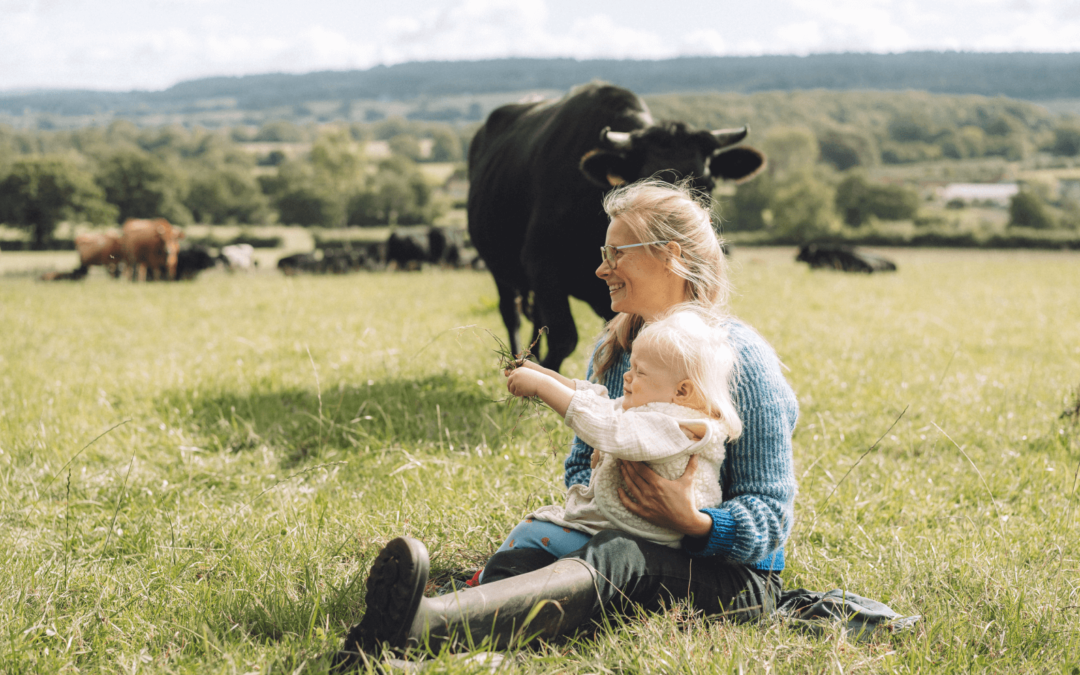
{"x":1028,"y":76}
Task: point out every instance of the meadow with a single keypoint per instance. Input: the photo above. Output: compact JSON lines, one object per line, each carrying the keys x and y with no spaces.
{"x":195,"y":477}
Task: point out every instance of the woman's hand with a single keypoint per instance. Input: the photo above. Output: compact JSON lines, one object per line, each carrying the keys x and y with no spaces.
{"x":667,"y":503}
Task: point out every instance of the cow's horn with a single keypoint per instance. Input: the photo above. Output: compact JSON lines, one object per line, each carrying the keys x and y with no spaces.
{"x":726,"y":137}
{"x":619,"y":140}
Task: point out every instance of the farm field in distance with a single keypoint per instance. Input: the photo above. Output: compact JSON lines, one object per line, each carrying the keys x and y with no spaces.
{"x":195,"y":477}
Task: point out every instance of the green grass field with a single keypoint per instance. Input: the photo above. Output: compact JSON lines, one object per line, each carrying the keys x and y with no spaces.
{"x":195,"y":477}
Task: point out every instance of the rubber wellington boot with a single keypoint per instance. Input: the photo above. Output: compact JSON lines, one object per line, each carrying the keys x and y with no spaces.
{"x":542,"y":604}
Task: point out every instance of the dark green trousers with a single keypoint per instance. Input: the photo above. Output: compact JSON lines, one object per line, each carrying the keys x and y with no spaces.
{"x":635,"y":572}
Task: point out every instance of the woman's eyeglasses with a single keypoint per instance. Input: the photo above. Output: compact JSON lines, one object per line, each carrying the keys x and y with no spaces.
{"x":608,"y":252}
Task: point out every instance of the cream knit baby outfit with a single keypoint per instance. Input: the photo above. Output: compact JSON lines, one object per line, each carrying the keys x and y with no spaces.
{"x":652,"y":433}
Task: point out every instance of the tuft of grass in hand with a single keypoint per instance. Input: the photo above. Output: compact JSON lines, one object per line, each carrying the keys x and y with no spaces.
{"x":527,"y":406}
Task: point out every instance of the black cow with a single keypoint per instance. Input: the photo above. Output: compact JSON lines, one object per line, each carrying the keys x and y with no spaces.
{"x":845,"y":258}
{"x":410,"y":247}
{"x":299,"y":262}
{"x":538,"y":172}
{"x":192,"y":260}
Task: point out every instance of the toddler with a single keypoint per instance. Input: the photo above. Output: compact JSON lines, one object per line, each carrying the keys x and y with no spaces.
{"x":676,"y":403}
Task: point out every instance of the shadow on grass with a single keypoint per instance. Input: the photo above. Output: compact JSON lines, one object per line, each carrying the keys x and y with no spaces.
{"x":440,"y":409}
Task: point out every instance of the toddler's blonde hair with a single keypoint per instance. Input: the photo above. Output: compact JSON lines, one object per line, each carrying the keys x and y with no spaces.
{"x":694,"y":345}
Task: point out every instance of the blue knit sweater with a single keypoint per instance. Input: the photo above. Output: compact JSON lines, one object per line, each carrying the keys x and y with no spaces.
{"x":757,"y":476}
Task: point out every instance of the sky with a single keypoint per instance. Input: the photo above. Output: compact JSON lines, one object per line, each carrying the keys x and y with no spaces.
{"x":152,"y":44}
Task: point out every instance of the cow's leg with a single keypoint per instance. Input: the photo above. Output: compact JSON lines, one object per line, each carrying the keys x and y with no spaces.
{"x":552,"y":309}
{"x":508,"y":309}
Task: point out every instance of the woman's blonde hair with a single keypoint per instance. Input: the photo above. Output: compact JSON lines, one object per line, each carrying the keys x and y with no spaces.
{"x":657,"y":211}
{"x":690,"y":341}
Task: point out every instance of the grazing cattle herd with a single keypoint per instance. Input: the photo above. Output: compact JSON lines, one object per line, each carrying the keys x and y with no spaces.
{"x":538,"y":173}
{"x":149,"y":250}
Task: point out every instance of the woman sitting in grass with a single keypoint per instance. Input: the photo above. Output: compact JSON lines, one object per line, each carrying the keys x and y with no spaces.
{"x":661,"y":251}
{"x":676,"y":404}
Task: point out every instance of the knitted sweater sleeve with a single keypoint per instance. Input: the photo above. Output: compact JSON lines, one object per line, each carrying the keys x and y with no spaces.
{"x":757,"y":475}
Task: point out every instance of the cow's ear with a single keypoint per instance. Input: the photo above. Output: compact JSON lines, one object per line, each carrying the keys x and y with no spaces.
{"x":179,"y":235}
{"x":605,"y":168}
{"x":737,"y":164}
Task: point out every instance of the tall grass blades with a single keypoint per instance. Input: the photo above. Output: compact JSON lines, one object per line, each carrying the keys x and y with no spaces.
{"x":195,"y":478}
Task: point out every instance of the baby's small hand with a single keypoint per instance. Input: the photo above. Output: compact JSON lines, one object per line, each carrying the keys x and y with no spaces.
{"x":524,"y":382}
{"x":594,"y":461}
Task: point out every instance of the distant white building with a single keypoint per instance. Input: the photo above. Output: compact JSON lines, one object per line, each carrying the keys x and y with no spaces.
{"x":998,"y":193}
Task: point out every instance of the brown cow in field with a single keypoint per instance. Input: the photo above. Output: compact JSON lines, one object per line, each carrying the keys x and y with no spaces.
{"x":100,"y":248}
{"x":151,"y":245}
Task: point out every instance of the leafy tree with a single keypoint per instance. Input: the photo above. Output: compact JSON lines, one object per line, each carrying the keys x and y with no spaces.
{"x":122,"y":133}
{"x":1004,"y":124}
{"x":846,"y":147}
{"x":790,"y":148}
{"x":797,"y":206}
{"x":308,"y":205}
{"x":1067,"y":139}
{"x":226,"y":195}
{"x":967,"y":141}
{"x":280,"y":131}
{"x":1027,"y":210}
{"x":340,"y":170}
{"x":802,"y":207}
{"x":299,"y":198}
{"x":406,"y":145}
{"x":912,"y":126}
{"x":398,"y":195}
{"x":1070,"y":213}
{"x":42,"y":191}
{"x":893,"y":152}
{"x":339,"y":160}
{"x":143,"y":186}
{"x":243,"y":134}
{"x":446,"y":145}
{"x":745,"y":212}
{"x":386,"y":129}
{"x":858,"y":199}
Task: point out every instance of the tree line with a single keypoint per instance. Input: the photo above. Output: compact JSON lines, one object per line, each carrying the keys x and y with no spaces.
{"x":109,"y":174}
{"x":820,"y":147}
{"x":1030,"y":76}
{"x":868,"y":128}
{"x":802,"y":196}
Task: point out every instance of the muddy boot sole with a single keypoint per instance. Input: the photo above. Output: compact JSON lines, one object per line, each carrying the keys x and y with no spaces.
{"x":395,"y":587}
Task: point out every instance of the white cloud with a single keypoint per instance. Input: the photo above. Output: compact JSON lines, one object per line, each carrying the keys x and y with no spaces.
{"x":801,"y":37}
{"x":599,"y":36}
{"x":468,"y":29}
{"x":476,"y":29}
{"x":849,"y":25}
{"x":120,"y":45}
{"x":704,"y":42}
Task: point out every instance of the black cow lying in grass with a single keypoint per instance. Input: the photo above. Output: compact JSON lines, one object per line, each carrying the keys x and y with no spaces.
{"x":844,"y":258}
